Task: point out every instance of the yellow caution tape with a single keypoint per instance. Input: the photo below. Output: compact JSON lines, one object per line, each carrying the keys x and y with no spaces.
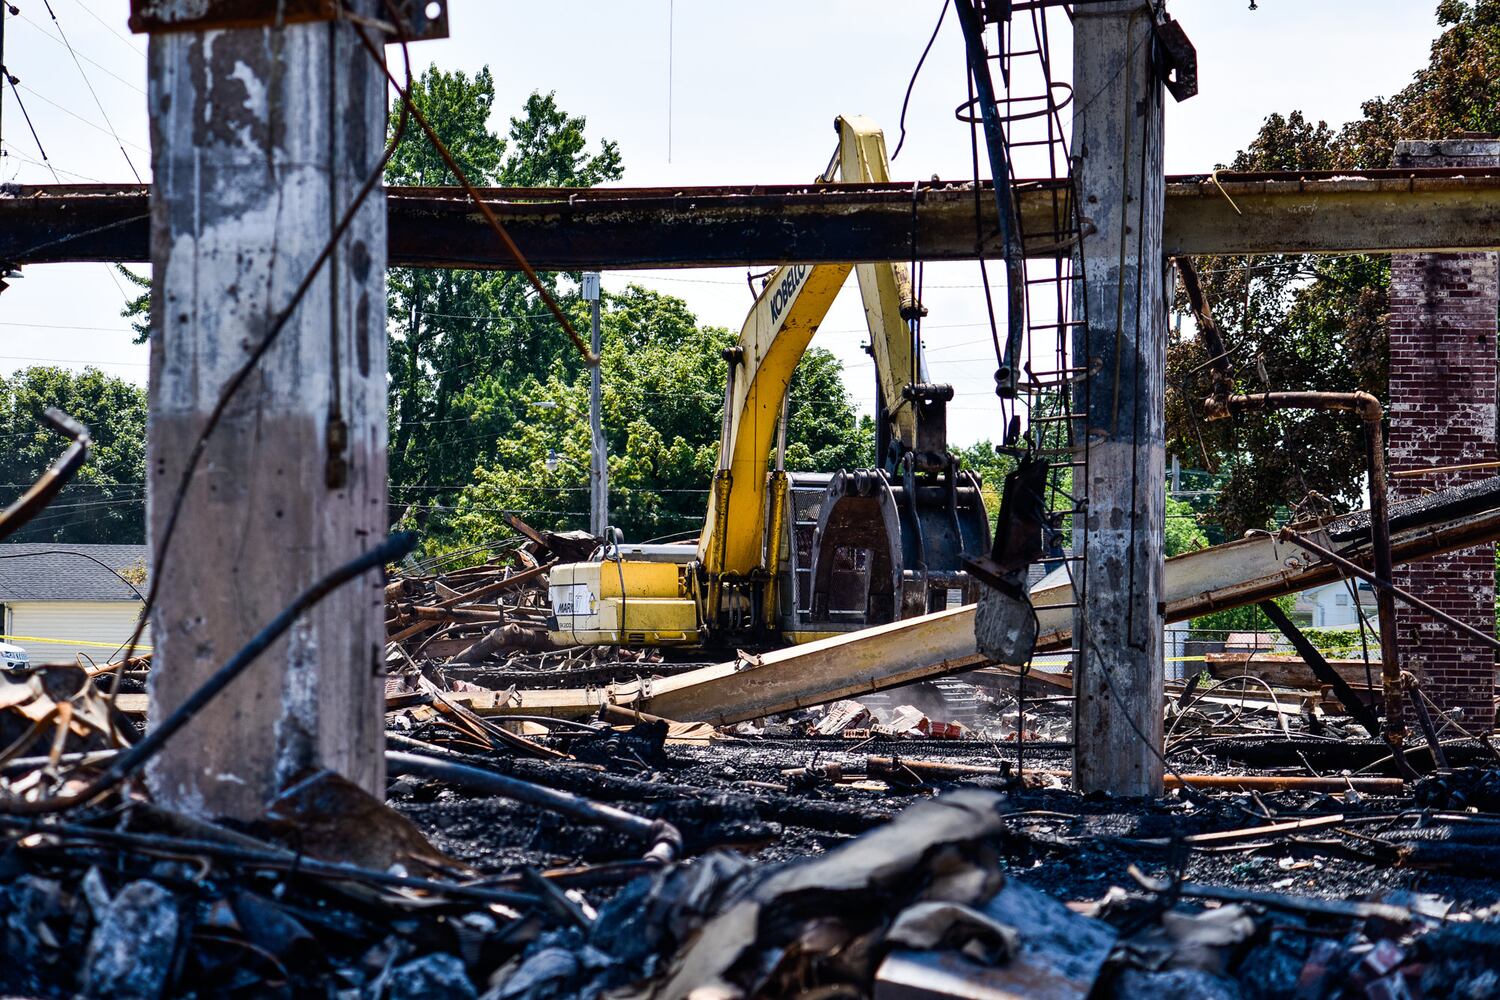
{"x":71,"y":642}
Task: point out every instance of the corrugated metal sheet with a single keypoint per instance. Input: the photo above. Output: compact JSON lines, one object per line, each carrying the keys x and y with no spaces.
{"x":95,"y":628}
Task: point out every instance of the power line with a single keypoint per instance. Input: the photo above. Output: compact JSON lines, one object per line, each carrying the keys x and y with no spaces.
{"x":110,"y":28}
{"x":41,"y":29}
{"x":69,"y":361}
{"x":9,"y":153}
{"x":75,"y":115}
{"x":87,"y":83}
{"x":65,"y":326}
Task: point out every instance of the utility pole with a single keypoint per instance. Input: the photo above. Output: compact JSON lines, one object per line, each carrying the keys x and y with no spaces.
{"x":4,"y":9}
{"x":261,"y":138}
{"x":1117,"y":146}
{"x":598,"y":460}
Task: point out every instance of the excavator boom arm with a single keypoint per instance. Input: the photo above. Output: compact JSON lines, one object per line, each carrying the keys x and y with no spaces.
{"x":773,"y":340}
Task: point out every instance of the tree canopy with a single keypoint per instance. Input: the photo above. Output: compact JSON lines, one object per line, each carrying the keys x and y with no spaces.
{"x":663,"y":398}
{"x":105,"y":502}
{"x":1318,"y":322}
{"x":485,"y":386}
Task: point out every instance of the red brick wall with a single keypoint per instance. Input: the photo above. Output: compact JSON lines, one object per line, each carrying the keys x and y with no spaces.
{"x":1443,"y":412}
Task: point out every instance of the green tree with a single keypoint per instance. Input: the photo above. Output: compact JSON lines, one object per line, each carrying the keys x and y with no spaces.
{"x":992,"y":467}
{"x":1305,"y":322}
{"x":105,"y":502}
{"x":663,"y":395}
{"x":1183,"y":532}
{"x":462,"y":342}
{"x":138,"y":309}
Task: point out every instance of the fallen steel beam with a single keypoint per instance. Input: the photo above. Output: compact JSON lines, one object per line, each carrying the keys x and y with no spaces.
{"x":1236,"y":573}
{"x":1378,"y":211}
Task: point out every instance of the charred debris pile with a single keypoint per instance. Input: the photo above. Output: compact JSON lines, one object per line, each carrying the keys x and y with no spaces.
{"x":608,"y":861}
{"x":862,"y":848}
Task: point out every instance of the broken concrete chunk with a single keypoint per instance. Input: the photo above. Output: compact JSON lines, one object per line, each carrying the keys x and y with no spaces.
{"x":953,"y":927}
{"x":437,"y":975}
{"x":131,"y":953}
{"x":1005,"y":627}
{"x":270,"y":927}
{"x":548,"y":972}
{"x":1064,"y":949}
{"x":327,"y":816}
{"x":842,"y":715}
{"x":96,"y":893}
{"x":846,"y":882}
{"x":1206,"y":940}
{"x":31,"y":907}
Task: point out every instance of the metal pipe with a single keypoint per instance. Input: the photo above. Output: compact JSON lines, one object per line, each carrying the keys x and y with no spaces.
{"x":1369,"y":411}
{"x":1385,"y":603}
{"x":1364,"y":405}
{"x":664,"y":839}
{"x":1430,"y":470}
{"x":1006,"y":377}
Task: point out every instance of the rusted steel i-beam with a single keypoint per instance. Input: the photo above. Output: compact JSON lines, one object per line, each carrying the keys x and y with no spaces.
{"x":1378,"y":211}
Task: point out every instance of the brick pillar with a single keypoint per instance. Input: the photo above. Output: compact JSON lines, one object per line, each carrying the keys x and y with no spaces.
{"x":1443,"y":412}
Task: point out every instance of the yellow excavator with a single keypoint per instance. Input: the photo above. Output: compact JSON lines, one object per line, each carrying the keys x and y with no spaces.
{"x":791,"y":557}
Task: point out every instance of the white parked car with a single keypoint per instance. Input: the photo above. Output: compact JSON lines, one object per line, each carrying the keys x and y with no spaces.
{"x":14,"y":659}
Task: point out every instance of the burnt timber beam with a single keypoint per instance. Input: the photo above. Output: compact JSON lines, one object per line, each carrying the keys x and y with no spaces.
{"x":1379,"y":211}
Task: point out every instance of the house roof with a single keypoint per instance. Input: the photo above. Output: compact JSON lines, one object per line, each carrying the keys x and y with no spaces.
{"x":46,"y":571}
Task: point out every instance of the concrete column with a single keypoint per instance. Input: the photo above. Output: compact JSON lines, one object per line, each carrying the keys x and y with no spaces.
{"x":1442,"y":330}
{"x":1117,"y":150}
{"x":260,"y":139}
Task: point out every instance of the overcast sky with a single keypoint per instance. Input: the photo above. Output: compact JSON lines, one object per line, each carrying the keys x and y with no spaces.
{"x":698,"y":92}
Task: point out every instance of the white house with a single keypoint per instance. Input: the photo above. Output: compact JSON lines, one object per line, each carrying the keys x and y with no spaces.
{"x":1331,"y":606}
{"x":58,"y":601}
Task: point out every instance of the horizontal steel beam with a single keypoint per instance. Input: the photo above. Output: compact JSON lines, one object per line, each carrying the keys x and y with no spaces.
{"x":622,"y":228}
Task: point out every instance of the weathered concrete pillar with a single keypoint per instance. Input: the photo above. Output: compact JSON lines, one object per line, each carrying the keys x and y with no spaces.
{"x":1443,"y":396}
{"x":260,"y":138}
{"x":1117,"y":148}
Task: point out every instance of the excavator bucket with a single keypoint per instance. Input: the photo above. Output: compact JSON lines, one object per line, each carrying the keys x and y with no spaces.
{"x":1005,"y":623}
{"x":869,"y":547}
